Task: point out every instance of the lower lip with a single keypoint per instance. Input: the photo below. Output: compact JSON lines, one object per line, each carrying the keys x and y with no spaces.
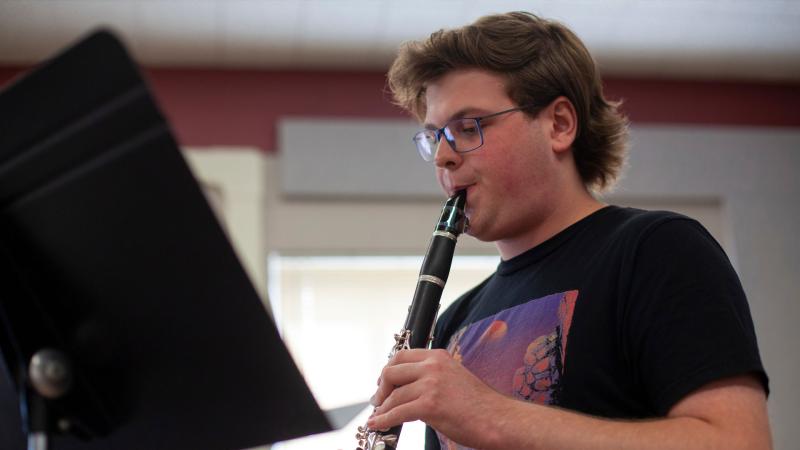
{"x":470,"y":193}
{"x":469,"y":190}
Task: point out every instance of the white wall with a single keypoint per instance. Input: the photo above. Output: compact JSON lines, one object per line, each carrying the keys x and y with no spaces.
{"x":234,"y":180}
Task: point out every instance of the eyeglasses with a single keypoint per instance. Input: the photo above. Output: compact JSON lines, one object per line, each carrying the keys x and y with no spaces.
{"x":463,"y":135}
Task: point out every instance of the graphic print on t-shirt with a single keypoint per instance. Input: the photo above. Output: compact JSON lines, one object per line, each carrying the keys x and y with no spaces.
{"x":519,"y":351}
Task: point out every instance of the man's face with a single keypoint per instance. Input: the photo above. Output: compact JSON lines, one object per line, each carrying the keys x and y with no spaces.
{"x":509,"y":180}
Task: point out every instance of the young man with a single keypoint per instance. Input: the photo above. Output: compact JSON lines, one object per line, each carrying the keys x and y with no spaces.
{"x":598,"y":316}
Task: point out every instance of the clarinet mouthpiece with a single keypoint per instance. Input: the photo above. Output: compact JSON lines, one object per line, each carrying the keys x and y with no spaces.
{"x":454,"y":219}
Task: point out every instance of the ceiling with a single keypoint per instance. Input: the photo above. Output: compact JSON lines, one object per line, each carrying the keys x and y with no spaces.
{"x":718,"y":39}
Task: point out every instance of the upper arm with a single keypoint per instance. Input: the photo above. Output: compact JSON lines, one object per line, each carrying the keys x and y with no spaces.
{"x":687,"y":320}
{"x":736,"y":407}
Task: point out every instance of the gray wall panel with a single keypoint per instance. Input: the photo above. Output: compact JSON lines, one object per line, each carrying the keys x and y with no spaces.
{"x":352,"y":158}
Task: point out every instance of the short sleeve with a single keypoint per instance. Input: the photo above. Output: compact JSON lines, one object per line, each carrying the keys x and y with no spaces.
{"x":686,"y":320}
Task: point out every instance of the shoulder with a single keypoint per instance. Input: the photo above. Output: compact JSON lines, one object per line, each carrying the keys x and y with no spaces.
{"x":666,"y":253}
{"x":682,"y":292}
{"x":634,"y":220}
{"x":619,"y":221}
{"x":660,"y":231}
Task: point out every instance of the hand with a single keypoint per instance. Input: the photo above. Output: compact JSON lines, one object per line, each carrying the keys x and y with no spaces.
{"x":431,"y":386}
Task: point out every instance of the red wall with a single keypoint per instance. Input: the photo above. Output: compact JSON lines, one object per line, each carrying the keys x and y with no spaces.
{"x":241,"y":107}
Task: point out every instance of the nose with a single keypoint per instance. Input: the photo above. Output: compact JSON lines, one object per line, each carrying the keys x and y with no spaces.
{"x":446,"y":157}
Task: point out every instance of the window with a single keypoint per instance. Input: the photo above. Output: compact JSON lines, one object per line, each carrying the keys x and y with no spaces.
{"x":338,"y":316}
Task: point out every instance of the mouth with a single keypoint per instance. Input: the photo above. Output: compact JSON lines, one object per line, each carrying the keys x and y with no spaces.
{"x":463,"y":187}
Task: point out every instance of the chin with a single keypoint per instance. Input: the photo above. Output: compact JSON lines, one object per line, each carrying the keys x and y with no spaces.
{"x":479,"y":234}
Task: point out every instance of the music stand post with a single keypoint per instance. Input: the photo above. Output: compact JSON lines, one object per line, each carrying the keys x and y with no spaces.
{"x":49,"y":377}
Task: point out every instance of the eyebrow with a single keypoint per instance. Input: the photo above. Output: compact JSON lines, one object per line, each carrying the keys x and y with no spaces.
{"x":460,"y":114}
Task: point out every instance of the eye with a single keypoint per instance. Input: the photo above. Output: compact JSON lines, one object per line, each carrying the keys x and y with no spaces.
{"x":466,"y":127}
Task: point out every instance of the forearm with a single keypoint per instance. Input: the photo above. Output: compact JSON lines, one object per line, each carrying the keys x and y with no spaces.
{"x":528,"y":426}
{"x":729,"y":414}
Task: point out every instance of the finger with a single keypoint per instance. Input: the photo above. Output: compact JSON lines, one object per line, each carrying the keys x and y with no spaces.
{"x":406,"y":412}
{"x":410,"y":355}
{"x":405,"y":367}
{"x":401,"y":374}
{"x":393,"y":376}
{"x":401,"y":395}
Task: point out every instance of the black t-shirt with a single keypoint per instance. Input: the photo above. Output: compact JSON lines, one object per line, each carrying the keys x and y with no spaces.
{"x":620,"y":315}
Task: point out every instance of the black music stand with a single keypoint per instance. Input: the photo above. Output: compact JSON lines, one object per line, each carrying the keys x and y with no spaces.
{"x":115,"y":274}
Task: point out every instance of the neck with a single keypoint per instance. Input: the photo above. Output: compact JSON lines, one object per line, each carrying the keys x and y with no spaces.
{"x":561,"y":214}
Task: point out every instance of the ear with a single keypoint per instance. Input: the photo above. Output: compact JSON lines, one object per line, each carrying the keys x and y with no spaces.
{"x":563,"y":123}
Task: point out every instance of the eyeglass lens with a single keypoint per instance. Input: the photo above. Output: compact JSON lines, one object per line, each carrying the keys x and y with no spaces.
{"x":462,"y":135}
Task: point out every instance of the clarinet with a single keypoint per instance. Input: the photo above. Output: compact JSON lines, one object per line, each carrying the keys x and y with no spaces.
{"x":418,"y":329}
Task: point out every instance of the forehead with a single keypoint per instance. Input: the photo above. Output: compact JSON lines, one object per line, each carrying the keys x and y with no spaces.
{"x":464,"y":91}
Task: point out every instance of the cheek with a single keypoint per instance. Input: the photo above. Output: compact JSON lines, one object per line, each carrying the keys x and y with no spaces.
{"x":524,"y":167}
{"x":511,"y":172}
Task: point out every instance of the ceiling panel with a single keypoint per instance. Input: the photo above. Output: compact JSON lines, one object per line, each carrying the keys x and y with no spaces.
{"x":753,"y":39}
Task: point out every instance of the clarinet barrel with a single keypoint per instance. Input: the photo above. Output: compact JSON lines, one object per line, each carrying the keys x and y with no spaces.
{"x":417,"y":331}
